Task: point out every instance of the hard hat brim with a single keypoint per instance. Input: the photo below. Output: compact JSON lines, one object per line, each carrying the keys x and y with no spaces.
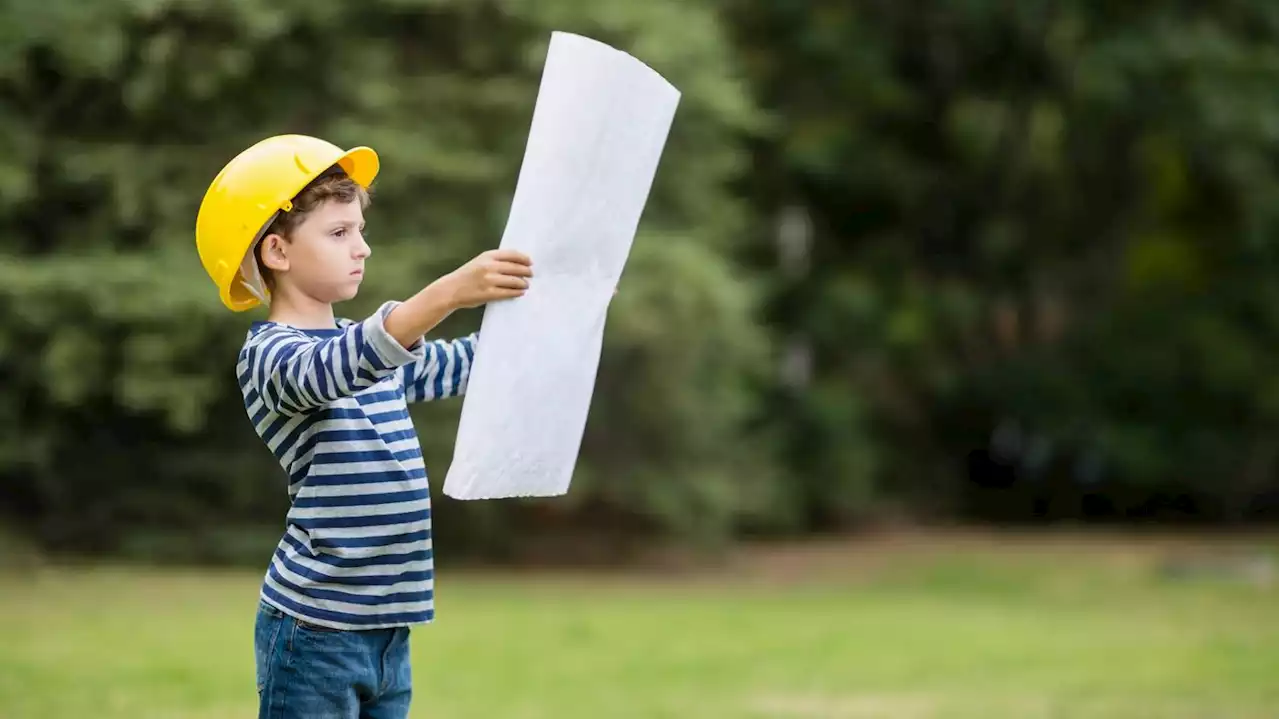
{"x":361,"y":164}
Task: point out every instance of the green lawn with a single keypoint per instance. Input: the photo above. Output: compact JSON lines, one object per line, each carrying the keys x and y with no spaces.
{"x":968,"y":629}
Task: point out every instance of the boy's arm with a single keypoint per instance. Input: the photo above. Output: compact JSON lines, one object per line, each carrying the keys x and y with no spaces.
{"x":292,"y":373}
{"x":443,"y":371}
{"x":445,"y":366}
{"x":492,"y":275}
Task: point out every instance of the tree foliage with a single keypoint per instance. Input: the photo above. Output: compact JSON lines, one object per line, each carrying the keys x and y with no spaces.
{"x":1044,"y":242}
{"x":118,"y":359}
{"x":1006,"y":259}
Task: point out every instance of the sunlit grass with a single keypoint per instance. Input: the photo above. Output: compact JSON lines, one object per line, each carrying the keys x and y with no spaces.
{"x":953,"y":632}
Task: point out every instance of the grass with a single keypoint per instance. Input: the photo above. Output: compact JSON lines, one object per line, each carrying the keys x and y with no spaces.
{"x":938,"y":627}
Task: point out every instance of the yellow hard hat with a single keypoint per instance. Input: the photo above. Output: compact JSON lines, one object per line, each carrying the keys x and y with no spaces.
{"x":246,"y":195}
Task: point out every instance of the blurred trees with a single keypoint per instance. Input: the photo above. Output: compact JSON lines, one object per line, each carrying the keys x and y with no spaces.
{"x":1043,"y":252}
{"x":1034,"y":240}
{"x":122,"y":412}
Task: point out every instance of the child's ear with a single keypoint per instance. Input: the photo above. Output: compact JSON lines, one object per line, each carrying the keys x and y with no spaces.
{"x":274,"y":253}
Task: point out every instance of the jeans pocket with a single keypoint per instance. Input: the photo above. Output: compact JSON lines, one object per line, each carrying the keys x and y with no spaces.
{"x":270,"y":611}
{"x":309,"y":627}
{"x":266,"y":636}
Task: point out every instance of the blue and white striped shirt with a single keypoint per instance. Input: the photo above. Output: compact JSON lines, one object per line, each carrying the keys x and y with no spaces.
{"x":332,"y":405}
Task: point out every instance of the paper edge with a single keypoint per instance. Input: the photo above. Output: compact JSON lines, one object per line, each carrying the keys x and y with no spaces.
{"x":566,"y":36}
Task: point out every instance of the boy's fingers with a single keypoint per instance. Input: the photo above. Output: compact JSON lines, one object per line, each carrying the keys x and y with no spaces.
{"x":504,"y":293}
{"x":508,"y":281}
{"x":512,"y":268}
{"x":515,"y":256}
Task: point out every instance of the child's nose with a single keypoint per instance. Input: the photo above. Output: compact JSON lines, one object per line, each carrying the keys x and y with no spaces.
{"x":362,"y":249}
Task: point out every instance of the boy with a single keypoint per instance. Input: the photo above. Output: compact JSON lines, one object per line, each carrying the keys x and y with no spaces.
{"x":282,"y":224}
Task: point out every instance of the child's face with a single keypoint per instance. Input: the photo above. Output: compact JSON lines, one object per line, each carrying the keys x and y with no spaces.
{"x":327,"y":251}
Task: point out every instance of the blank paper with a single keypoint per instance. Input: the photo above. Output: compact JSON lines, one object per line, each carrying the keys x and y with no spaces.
{"x":599,"y":126}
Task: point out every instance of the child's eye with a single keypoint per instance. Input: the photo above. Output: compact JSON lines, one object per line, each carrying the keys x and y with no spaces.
{"x":341,"y":232}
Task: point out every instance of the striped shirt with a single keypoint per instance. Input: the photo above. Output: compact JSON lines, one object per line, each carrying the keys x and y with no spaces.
{"x":332,"y":405}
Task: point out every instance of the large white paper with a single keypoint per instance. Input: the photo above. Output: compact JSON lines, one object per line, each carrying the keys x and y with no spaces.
{"x":599,"y":126}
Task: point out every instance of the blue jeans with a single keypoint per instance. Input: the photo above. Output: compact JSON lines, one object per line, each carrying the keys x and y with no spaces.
{"x":320,"y":673}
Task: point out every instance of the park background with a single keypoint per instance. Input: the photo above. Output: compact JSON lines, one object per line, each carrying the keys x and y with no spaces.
{"x":940,"y":381}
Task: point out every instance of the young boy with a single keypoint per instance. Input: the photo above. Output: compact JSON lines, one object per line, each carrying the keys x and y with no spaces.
{"x":282,"y":224}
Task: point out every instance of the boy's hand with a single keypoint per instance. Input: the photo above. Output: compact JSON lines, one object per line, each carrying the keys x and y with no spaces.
{"x":492,"y":275}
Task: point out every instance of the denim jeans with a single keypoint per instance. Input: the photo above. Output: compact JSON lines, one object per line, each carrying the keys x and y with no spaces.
{"x":320,"y":673}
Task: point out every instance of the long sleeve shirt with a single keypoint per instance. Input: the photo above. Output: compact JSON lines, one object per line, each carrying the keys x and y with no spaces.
{"x":332,"y":406}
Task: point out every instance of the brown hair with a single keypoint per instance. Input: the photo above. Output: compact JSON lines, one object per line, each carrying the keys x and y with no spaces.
{"x":333,"y":184}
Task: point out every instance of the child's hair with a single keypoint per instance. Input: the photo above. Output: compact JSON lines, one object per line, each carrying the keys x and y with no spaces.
{"x":332,"y":184}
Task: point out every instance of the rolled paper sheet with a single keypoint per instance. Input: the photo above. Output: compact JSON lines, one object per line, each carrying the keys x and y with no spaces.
{"x":600,"y":123}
